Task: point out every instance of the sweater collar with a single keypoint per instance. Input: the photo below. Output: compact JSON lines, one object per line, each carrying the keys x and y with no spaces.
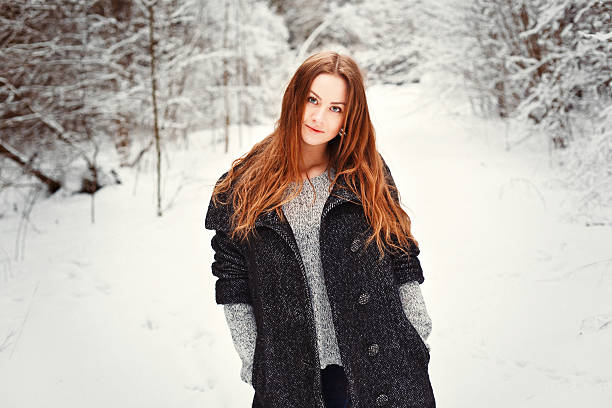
{"x":340,"y":194}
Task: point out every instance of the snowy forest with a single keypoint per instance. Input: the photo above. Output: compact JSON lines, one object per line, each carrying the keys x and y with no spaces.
{"x":117,"y":117}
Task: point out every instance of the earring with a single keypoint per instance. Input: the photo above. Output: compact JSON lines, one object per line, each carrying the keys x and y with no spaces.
{"x":342,"y":133}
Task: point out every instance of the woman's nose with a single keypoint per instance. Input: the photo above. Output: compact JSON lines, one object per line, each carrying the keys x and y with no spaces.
{"x":317,"y":114}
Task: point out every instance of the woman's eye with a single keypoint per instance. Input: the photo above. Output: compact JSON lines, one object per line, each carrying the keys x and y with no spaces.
{"x":336,"y":109}
{"x":312,"y":99}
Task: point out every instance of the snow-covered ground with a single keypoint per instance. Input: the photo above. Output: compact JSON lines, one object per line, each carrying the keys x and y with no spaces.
{"x":121,"y":313}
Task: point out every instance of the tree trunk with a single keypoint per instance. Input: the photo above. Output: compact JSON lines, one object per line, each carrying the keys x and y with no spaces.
{"x":239,"y":62}
{"x":226,"y":77}
{"x":51,"y":184}
{"x":154,"y":101}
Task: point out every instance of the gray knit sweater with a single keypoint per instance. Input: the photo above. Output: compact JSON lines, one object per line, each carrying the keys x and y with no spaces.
{"x":304,"y":216}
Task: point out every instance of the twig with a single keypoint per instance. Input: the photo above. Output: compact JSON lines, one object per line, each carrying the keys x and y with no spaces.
{"x":526,"y":181}
{"x":171,"y":202}
{"x":8,"y":268}
{"x":23,"y":222}
{"x":25,"y":318}
{"x":565,"y":275}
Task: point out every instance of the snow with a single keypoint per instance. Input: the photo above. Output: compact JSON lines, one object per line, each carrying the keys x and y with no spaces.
{"x":122,"y":313}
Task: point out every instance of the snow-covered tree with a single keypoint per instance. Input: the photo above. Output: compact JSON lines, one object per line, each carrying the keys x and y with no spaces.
{"x":388,"y":45}
{"x":379,"y":34}
{"x":76,"y":81}
{"x":539,"y":60}
{"x":53,"y":88}
{"x":548,"y":63}
{"x":255,"y":58}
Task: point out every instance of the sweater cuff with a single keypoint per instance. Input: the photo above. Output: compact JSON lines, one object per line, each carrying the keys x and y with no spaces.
{"x":241,"y":322}
{"x":415,"y":310}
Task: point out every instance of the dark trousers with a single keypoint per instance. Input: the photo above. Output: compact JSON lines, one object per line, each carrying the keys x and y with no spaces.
{"x":335,"y":390}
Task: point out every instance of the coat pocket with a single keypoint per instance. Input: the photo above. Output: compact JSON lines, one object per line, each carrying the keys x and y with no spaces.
{"x":258,"y":375}
{"x":415,"y":341}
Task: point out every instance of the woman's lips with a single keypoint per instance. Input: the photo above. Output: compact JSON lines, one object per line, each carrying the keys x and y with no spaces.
{"x":316,"y":130}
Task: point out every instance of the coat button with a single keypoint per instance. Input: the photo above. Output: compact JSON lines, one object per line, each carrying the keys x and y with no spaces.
{"x":373,"y":350}
{"x":364,"y":298}
{"x":356,"y":245}
{"x":381,"y":400}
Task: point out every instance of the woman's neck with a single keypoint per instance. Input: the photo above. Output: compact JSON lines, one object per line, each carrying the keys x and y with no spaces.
{"x":315,"y":160}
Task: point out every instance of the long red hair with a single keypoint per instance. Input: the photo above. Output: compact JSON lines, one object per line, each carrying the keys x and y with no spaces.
{"x":260,"y":178}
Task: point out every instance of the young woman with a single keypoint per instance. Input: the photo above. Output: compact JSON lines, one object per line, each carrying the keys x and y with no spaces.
{"x":316,"y":264}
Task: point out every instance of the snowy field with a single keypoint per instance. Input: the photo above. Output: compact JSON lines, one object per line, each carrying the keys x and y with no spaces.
{"x":121,"y":313}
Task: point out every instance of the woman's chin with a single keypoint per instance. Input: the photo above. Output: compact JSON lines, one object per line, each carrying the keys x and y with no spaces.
{"x":314,"y":141}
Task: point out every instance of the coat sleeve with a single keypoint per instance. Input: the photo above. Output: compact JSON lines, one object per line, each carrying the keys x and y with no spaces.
{"x":406,"y":267}
{"x":229,"y":266}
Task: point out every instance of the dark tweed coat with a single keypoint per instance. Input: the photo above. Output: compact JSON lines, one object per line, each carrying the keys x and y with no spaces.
{"x":385,"y":359}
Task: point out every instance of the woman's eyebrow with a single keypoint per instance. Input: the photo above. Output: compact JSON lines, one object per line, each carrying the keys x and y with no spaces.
{"x":333,"y":103}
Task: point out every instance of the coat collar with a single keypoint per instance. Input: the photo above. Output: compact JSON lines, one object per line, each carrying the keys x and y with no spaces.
{"x":336,"y":197}
{"x":218,"y":217}
{"x":340,"y":193}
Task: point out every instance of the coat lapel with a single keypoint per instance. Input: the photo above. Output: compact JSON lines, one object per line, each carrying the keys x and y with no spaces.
{"x":338,"y":195}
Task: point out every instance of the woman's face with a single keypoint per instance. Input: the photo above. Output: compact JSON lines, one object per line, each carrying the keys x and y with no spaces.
{"x":325,"y":109}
